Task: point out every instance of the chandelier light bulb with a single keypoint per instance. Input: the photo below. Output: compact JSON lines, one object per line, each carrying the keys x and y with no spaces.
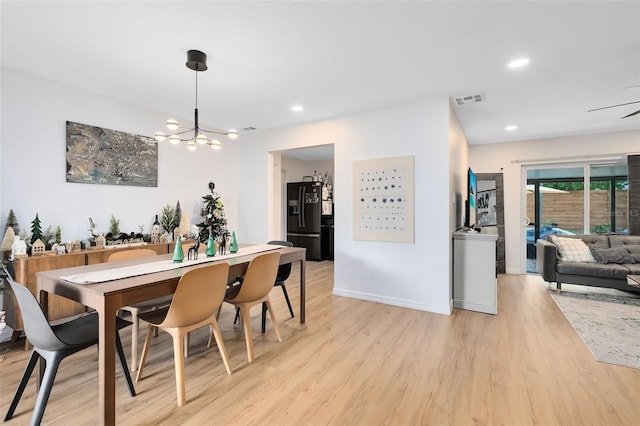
{"x":191,"y":146}
{"x":172,"y":124}
{"x":232,"y":134}
{"x":216,"y":145}
{"x":174,"y":139}
{"x":160,"y":137}
{"x":201,"y":139}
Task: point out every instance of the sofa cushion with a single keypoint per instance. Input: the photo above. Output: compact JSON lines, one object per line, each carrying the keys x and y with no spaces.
{"x":596,"y":240}
{"x":610,"y":270}
{"x":630,"y":242}
{"x":612,"y":255}
{"x":573,"y":250}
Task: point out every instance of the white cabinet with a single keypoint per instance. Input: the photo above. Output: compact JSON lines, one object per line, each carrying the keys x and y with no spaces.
{"x":474,"y":271}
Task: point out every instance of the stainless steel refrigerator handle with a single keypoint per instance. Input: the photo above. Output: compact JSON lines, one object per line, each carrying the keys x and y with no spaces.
{"x":304,"y":207}
{"x":300,"y":207}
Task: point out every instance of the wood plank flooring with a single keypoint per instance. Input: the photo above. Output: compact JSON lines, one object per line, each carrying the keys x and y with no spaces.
{"x":362,"y":363}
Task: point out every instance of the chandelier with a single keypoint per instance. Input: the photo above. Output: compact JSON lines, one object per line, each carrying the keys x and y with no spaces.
{"x":194,"y":136}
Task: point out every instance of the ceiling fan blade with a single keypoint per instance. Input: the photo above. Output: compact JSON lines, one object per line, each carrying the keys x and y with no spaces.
{"x":613,"y":106}
{"x":632,"y":114}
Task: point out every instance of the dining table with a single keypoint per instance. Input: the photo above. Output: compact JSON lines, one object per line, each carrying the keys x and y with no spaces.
{"x":107,"y":297}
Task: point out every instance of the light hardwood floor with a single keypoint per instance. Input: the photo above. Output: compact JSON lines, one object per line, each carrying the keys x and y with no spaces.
{"x":363,"y":363}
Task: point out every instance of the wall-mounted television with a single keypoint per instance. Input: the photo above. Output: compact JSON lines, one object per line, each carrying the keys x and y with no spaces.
{"x":470,"y":203}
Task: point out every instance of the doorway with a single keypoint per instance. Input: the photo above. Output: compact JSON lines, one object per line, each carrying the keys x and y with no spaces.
{"x":299,"y":165}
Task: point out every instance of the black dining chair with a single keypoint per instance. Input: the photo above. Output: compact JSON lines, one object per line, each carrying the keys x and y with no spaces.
{"x":54,"y":343}
{"x":283,"y":274}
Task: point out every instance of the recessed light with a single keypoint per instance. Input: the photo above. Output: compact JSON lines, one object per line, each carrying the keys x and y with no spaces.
{"x":297,"y":108}
{"x":509,"y":128}
{"x":517,"y":63}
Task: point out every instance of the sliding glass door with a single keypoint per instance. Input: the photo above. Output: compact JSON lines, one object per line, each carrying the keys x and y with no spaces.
{"x":558,"y":203}
{"x":608,"y":199}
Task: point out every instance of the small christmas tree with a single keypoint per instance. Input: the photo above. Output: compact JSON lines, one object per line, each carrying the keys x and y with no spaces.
{"x":114,"y":227}
{"x":213,"y":217}
{"x":168,"y":214}
{"x":36,"y":229}
{"x":12,"y":221}
{"x":177,"y":215}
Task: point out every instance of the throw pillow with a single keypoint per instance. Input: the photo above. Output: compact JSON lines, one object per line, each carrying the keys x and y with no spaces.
{"x":612,"y":255}
{"x":573,"y":250}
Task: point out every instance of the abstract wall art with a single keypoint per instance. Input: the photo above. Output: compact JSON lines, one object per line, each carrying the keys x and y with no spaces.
{"x":383,"y":203}
{"x":109,"y":157}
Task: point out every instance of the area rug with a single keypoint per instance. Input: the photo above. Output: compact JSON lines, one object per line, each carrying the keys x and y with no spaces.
{"x":609,"y":325}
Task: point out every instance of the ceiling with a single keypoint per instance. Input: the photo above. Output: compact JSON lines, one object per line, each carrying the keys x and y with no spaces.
{"x":337,"y":58}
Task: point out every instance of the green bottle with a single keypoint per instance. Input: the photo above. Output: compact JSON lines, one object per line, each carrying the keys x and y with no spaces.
{"x":211,"y":247}
{"x":233,"y":247}
{"x":178,"y":254}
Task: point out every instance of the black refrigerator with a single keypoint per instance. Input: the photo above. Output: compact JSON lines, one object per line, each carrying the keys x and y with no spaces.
{"x":304,"y":211}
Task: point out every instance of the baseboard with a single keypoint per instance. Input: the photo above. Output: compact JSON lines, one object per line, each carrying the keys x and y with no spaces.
{"x":514,"y":271}
{"x":437,"y":309}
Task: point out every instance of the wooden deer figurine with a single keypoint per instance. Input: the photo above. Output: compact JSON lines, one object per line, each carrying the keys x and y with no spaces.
{"x":194,"y":248}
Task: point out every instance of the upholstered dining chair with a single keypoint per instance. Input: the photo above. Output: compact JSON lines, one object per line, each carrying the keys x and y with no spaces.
{"x":283,"y":274}
{"x":256,"y":285}
{"x":197,"y":299}
{"x":54,"y":343}
{"x":141,"y":307}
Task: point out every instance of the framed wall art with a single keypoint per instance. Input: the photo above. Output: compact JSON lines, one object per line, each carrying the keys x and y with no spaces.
{"x":486,"y":208}
{"x":109,"y":157}
{"x":383,"y":204}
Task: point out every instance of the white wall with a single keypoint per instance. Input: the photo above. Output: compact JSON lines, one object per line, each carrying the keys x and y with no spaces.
{"x":32,"y":143}
{"x":297,"y":169}
{"x":458,"y":165}
{"x":506,"y":158}
{"x":409,"y":275}
{"x":33,"y":164}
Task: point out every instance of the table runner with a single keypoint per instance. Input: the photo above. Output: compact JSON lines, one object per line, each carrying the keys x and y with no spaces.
{"x":159,"y":266}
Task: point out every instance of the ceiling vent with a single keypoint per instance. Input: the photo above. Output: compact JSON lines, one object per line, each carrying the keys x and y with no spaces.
{"x":470,"y":99}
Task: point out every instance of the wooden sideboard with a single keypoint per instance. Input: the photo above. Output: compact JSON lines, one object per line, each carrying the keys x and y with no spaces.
{"x":24,"y":269}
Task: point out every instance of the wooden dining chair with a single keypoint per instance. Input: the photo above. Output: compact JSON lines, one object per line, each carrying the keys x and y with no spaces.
{"x":197,"y":299}
{"x":254,"y":290}
{"x":54,"y":343}
{"x":137,"y":309}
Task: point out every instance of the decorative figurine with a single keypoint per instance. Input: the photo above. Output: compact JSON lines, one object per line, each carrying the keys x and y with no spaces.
{"x":19,"y":247}
{"x":155,"y":231}
{"x":178,"y":254}
{"x":233,"y":247}
{"x":101,"y":241}
{"x":223,"y":244}
{"x":194,"y":249}
{"x":211,"y":249}
{"x":38,"y":247}
{"x":92,"y":227}
{"x":9,"y":238}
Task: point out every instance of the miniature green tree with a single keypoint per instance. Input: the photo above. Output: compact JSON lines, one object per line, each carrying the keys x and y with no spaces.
{"x":36,"y":229}
{"x":177,"y":215}
{"x":12,"y":221}
{"x":114,"y":227}
{"x":166,"y":221}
